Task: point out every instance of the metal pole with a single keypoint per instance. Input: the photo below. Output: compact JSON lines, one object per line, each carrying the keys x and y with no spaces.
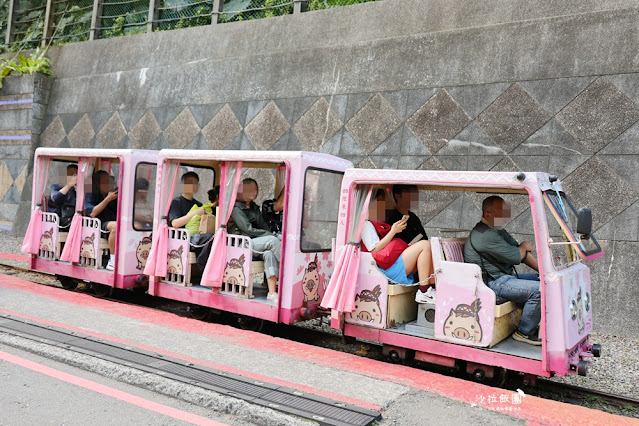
{"x":47,"y":32}
{"x":95,"y":19}
{"x":150,"y":26}
{"x":218,"y":6}
{"x":299,"y":6}
{"x":9,"y":37}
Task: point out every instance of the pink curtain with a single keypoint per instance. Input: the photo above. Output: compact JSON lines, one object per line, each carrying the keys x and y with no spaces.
{"x":156,"y":262}
{"x":31,"y":242}
{"x":71,"y":250}
{"x":230,"y":182}
{"x":340,"y":293}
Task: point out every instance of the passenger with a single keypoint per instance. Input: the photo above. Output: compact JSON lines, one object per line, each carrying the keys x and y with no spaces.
{"x":63,"y":197}
{"x":143,"y":217}
{"x":179,"y":212}
{"x":417,"y":257}
{"x":246,"y":219}
{"x":496,"y":253}
{"x":101,"y":203}
{"x":405,"y":196}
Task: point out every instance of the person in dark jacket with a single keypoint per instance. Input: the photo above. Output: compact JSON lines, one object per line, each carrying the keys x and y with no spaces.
{"x":496,"y":252}
{"x":246,"y":219}
{"x":102,"y":203}
{"x":62,"y":199}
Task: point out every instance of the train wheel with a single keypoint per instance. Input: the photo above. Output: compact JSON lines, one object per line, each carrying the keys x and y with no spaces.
{"x":67,"y":282}
{"x":480,"y":375}
{"x":102,"y":290}
{"x":250,"y":323}
{"x":198,"y":312}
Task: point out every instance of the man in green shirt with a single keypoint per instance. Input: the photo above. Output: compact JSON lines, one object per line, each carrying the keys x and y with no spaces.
{"x":496,"y":252}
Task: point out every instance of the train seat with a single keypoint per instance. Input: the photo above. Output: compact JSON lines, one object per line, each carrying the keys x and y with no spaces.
{"x":506,"y":313}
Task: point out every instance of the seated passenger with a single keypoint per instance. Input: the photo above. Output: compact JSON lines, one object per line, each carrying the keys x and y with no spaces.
{"x":198,"y":240}
{"x":101,"y":203}
{"x":491,"y":247}
{"x":143,"y":211}
{"x":62,"y":200}
{"x":417,"y":257}
{"x":405,"y":196}
{"x":180,"y":211}
{"x":246,"y":219}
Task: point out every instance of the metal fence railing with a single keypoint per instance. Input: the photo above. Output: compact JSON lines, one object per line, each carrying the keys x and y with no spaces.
{"x":71,"y":20}
{"x":26,"y":24}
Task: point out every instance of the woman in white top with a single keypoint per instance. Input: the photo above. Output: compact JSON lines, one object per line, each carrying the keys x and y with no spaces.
{"x":416,"y":258}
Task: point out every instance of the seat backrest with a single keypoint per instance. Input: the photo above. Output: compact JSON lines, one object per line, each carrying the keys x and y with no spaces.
{"x":453,"y":249}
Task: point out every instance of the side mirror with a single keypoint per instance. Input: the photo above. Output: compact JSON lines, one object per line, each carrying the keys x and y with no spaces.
{"x":584,"y":223}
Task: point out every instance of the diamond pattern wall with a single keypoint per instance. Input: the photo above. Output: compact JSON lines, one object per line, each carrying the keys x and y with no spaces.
{"x":575,"y":128}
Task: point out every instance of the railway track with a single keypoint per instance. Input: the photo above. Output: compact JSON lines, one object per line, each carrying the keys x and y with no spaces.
{"x":318,"y":334}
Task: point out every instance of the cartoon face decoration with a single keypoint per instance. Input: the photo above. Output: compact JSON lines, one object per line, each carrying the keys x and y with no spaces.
{"x":46,"y":241}
{"x":234,"y":272}
{"x":580,"y":313}
{"x":311,"y":282}
{"x":142,"y":252}
{"x":174,"y":265}
{"x":87,"y":250}
{"x":463,"y":322}
{"x":367,"y":306}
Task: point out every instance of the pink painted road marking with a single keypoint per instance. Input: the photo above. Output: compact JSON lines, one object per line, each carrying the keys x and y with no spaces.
{"x":531,"y":408}
{"x":109,"y":391}
{"x":12,"y":256}
{"x":251,"y":375}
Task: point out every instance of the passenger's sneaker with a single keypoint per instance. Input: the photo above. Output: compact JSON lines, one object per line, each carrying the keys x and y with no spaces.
{"x":110,"y":266}
{"x":272,"y":298}
{"x":429,"y":296}
{"x":531,"y":340}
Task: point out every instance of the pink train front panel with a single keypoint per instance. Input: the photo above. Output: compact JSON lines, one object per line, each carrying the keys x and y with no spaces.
{"x":577,"y":298}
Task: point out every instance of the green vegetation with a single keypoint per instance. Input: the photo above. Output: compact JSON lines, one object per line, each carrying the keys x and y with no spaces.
{"x":72,"y":18}
{"x":36,"y":63}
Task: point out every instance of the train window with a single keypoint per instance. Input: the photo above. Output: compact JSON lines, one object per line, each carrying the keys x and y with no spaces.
{"x":320,"y":209}
{"x":144,"y":197}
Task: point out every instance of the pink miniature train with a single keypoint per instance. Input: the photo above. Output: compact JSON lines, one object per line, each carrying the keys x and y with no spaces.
{"x":466,"y":326}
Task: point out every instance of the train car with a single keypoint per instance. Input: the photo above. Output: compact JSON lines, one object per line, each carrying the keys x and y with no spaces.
{"x":366,"y":305}
{"x":64,"y":240}
{"x":233,"y":279}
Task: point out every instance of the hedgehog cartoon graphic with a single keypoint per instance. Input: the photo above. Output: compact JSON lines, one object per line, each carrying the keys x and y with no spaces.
{"x":46,"y":241}
{"x":367,"y":307}
{"x":142,"y":252}
{"x":87,"y":249}
{"x":311,"y":281}
{"x":463,"y":322}
{"x":174,"y":265}
{"x":234,"y":272}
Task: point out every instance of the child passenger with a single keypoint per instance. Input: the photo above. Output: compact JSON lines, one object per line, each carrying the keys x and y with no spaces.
{"x":417,"y":257}
{"x":101,"y":203}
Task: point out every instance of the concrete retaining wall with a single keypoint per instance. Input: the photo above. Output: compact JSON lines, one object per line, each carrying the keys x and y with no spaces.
{"x":432,"y":84}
